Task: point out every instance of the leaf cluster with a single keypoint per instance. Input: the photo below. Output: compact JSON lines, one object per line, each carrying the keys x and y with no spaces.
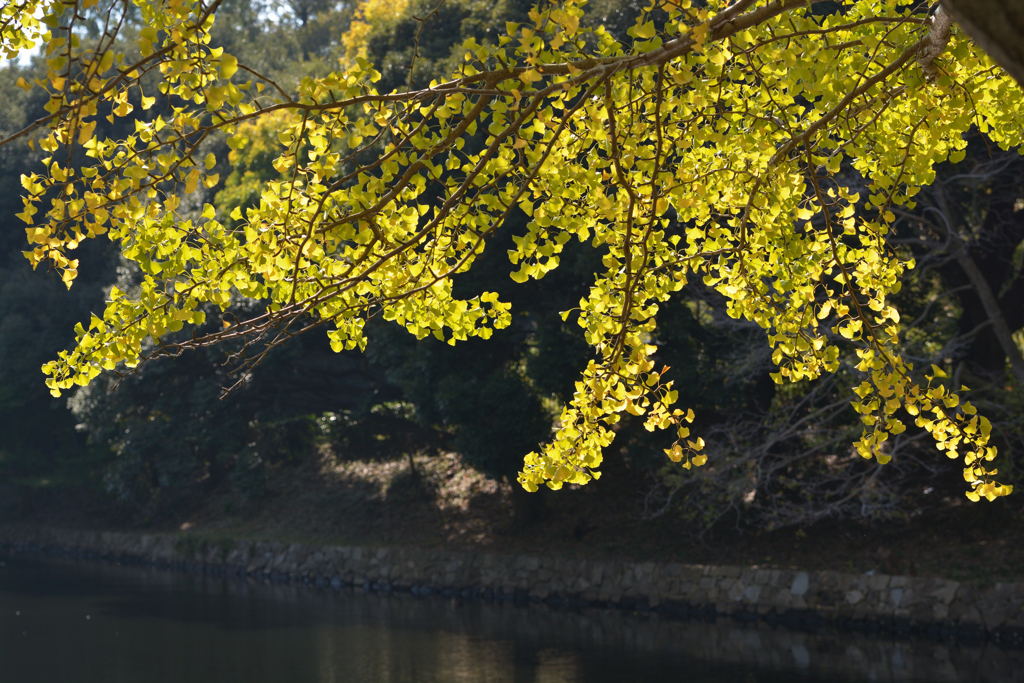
{"x":731,"y":120}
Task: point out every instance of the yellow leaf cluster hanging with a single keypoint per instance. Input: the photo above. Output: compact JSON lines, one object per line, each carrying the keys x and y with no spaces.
{"x":730,"y":121}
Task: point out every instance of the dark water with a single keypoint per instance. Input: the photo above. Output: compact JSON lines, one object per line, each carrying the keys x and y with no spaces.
{"x":85,"y":622}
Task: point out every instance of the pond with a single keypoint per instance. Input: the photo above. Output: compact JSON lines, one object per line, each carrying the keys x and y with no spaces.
{"x":96,"y":622}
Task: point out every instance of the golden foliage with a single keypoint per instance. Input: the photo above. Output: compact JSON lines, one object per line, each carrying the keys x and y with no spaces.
{"x":709,"y":147}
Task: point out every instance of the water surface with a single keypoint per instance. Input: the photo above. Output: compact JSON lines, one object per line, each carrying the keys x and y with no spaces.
{"x":62,"y":621}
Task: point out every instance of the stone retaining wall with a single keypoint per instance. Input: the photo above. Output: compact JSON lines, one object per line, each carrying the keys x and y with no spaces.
{"x":879,"y":601}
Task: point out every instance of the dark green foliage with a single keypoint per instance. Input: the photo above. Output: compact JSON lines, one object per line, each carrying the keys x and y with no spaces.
{"x":382,"y":431}
{"x":304,"y":36}
{"x":392,"y":49}
{"x":497,"y":398}
{"x":250,"y":474}
{"x":39,"y":447}
{"x":479,"y":396}
{"x":167,"y":426}
{"x":170,"y":425}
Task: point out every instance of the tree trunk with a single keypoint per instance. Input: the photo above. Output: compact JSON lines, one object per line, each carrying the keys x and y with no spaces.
{"x":992,"y":308}
{"x":997,"y":26}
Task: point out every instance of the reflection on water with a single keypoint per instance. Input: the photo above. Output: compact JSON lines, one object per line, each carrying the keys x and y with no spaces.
{"x":63,"y":621}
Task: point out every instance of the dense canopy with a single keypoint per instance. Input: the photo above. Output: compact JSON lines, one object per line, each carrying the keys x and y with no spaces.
{"x":722,"y":142}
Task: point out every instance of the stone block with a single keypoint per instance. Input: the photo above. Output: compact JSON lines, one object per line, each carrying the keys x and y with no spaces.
{"x":846,"y":582}
{"x":910,"y":597}
{"x":994,"y":614}
{"x":800,"y":584}
{"x":946,"y":591}
{"x":878,"y":582}
{"x":772,"y":595}
{"x":691,"y":573}
{"x":824,"y":580}
{"x":696,"y":596}
{"x":1015,"y":616}
{"x":728,"y":572}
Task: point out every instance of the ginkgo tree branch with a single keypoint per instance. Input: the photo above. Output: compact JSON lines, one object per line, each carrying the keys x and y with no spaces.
{"x":669,"y":153}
